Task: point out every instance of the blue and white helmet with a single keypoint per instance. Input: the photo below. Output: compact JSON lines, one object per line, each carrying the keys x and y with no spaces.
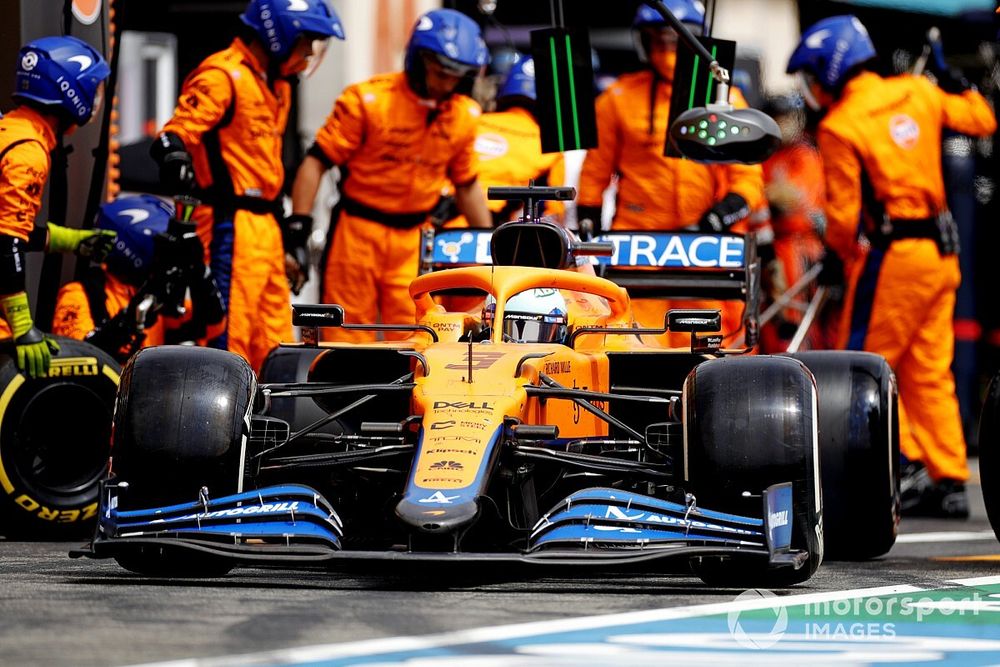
{"x":453,"y":38}
{"x":830,"y":48}
{"x":279,"y":23}
{"x":536,"y":315}
{"x":691,"y":12}
{"x":63,"y":75}
{"x":520,"y":81}
{"x":137,"y":220}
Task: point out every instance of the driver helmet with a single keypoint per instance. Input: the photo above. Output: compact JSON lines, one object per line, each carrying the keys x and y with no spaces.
{"x":536,"y":315}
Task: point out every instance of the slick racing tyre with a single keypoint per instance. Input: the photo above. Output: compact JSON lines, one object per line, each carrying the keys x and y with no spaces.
{"x":180,"y":424}
{"x":750,"y":423}
{"x":55,"y":439}
{"x":859,"y":452}
{"x":989,"y":453}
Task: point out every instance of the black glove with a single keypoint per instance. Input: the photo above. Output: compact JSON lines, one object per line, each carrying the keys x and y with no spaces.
{"x":176,"y":166}
{"x":591,"y":213}
{"x":725,"y":214}
{"x":295,"y":232}
{"x":119,"y":337}
{"x":950,"y":79}
{"x":832,"y":273}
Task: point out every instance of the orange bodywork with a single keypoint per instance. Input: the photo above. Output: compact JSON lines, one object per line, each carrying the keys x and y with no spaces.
{"x":459,"y":416}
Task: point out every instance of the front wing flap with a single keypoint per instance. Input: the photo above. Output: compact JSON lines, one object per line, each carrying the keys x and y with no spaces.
{"x":250,"y":522}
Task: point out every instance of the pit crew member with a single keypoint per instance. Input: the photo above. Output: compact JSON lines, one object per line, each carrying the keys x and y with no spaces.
{"x":881,"y":146}
{"x":225,"y":138}
{"x":59,"y":84}
{"x":657,"y":192}
{"x":399,"y":138}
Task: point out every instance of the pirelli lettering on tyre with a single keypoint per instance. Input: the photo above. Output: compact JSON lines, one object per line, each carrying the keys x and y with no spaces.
{"x":73,"y":367}
{"x":40,"y":511}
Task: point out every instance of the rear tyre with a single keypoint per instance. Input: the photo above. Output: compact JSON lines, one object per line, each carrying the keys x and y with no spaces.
{"x":55,"y":440}
{"x":989,"y":453}
{"x":859,"y":452}
{"x":181,"y":424}
{"x":750,"y":422}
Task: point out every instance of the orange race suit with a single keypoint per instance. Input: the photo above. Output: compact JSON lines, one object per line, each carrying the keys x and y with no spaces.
{"x":25,"y":143}
{"x":397,"y":152}
{"x":509,"y":151}
{"x":657,"y":192}
{"x":794,"y":184}
{"x":232,"y":122}
{"x":881,"y":147}
{"x":82,"y":307}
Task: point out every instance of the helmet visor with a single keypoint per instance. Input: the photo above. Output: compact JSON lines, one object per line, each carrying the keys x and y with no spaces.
{"x":806,"y":83}
{"x":528,"y":328}
{"x":315,"y":59}
{"x":449,"y":66}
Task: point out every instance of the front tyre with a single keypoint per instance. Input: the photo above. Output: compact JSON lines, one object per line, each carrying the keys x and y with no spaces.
{"x":181,"y":423}
{"x":750,"y":422}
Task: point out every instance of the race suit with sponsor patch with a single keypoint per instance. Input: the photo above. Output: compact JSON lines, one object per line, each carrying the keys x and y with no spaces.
{"x":397,"y":152}
{"x":881,"y":148}
{"x":232,"y":121}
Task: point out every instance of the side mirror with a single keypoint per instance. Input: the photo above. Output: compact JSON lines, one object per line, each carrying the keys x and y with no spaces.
{"x":720,"y":134}
{"x":693,"y":320}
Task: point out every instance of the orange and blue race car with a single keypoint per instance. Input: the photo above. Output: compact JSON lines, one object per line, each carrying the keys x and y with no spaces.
{"x":542,"y":429}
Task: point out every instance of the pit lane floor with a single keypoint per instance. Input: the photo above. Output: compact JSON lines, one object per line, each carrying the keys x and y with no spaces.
{"x":57,"y":611}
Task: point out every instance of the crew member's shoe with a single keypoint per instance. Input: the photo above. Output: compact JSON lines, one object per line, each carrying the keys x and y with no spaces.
{"x":913,"y":484}
{"x":946,"y":499}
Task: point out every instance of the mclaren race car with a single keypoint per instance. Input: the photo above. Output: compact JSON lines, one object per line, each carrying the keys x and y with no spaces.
{"x":499,"y":435}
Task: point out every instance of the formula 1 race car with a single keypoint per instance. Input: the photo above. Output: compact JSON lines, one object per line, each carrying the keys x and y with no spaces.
{"x":516,"y":437}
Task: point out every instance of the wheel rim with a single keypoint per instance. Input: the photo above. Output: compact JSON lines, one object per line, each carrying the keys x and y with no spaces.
{"x":62,"y":441}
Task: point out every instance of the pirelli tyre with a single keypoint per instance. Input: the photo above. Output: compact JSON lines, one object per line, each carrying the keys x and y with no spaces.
{"x":750,"y":422}
{"x":989,"y":453}
{"x":859,"y":451}
{"x":181,"y":424}
{"x":55,"y":438}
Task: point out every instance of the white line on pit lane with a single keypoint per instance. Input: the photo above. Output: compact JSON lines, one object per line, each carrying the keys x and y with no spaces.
{"x":948,"y":536}
{"x":306,"y":654}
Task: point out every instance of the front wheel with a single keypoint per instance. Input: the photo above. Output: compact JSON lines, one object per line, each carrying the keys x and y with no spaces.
{"x":181,"y":424}
{"x":750,"y":422}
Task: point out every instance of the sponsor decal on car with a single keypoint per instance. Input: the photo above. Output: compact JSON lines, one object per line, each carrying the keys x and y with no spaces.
{"x":674,"y":250}
{"x":437,"y":498}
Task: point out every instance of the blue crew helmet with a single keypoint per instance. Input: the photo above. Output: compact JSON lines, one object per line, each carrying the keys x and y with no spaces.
{"x":137,"y":220}
{"x":63,"y":76}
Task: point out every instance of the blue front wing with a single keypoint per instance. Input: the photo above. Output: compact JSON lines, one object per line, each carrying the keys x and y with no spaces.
{"x":597,"y":525}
